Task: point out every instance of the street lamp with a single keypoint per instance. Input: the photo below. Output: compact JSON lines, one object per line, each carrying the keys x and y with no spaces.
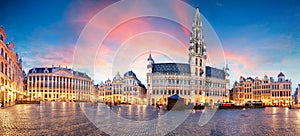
{"x":2,"y":99}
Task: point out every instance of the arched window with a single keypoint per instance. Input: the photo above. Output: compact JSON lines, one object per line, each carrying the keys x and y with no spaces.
{"x":196,"y":61}
{"x":200,"y":71}
{"x":196,"y":47}
{"x":5,"y":71}
{"x":200,"y":62}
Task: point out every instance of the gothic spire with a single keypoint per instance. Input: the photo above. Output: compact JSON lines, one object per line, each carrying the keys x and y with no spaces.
{"x":197,"y":43}
{"x":196,"y":26}
{"x":150,"y":57}
{"x":197,"y":19}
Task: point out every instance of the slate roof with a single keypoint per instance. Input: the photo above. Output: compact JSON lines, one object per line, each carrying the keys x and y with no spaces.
{"x":250,"y":78}
{"x":131,"y":73}
{"x":182,"y":68}
{"x":53,"y":69}
{"x":171,"y":68}
{"x":281,"y":74}
{"x":214,"y":72}
{"x":175,"y":96}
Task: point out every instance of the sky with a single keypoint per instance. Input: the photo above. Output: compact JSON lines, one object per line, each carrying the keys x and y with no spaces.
{"x":257,"y":37}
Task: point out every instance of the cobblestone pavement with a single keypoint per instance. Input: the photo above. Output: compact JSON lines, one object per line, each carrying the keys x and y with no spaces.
{"x":69,"y":119}
{"x":45,"y":119}
{"x":249,"y":122}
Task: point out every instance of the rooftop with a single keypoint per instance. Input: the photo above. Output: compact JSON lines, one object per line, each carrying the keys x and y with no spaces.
{"x":171,"y":68}
{"x":53,"y":69}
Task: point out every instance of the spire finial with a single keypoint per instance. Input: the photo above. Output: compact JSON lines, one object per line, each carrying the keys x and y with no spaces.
{"x":150,"y":57}
{"x":227,"y":65}
{"x":197,"y":19}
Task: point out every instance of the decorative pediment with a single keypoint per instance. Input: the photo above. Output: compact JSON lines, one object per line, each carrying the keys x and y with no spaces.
{"x":63,"y":73}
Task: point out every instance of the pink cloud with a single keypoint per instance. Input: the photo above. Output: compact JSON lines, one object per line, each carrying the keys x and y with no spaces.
{"x":81,"y":12}
{"x":133,"y":28}
{"x":241,"y":64}
{"x":128,"y":29}
{"x":183,"y":15}
{"x":241,"y":59}
{"x":48,"y":56}
{"x":117,"y":34}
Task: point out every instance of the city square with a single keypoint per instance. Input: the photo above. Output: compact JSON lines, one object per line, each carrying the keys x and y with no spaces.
{"x":66,"y":118}
{"x":149,"y":67}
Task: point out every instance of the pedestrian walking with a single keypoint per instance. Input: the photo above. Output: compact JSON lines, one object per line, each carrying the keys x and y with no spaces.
{"x":157,"y":106}
{"x":110,"y":104}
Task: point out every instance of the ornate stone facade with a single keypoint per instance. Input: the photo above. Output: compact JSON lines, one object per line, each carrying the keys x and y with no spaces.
{"x":267,"y":90}
{"x":11,"y":74}
{"x":193,"y":81}
{"x":297,"y":95}
{"x":126,"y":89}
{"x":58,"y":84}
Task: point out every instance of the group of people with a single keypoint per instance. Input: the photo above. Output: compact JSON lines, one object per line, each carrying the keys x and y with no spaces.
{"x":110,"y":104}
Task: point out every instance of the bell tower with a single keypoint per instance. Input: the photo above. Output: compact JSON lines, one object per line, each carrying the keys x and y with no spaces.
{"x":197,"y":49}
{"x":149,"y":77}
{"x":150,"y":63}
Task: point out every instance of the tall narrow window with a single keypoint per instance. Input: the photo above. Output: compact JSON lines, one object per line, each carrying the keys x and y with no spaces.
{"x":2,"y":67}
{"x":196,"y":62}
{"x":200,"y":72}
{"x":200,"y":63}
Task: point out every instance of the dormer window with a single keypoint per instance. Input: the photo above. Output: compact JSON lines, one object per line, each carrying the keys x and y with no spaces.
{"x":46,"y":70}
{"x":33,"y":71}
